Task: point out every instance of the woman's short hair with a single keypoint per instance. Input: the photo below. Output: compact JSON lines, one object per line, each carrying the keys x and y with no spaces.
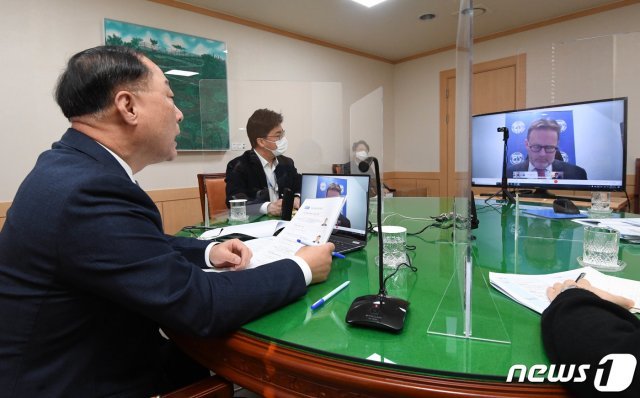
{"x":357,"y":143}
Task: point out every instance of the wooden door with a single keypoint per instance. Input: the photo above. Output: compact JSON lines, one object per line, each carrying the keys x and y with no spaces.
{"x":498,"y":85}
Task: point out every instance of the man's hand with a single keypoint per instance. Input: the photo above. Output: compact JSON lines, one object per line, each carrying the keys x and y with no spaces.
{"x":230,"y":254}
{"x":296,"y":202}
{"x":557,"y":288}
{"x":275,"y":208}
{"x":319,"y":260}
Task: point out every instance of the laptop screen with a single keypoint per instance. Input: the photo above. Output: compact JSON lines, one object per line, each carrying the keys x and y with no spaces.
{"x":354,"y":215}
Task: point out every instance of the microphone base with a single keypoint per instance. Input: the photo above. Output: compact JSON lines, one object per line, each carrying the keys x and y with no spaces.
{"x":378,"y":312}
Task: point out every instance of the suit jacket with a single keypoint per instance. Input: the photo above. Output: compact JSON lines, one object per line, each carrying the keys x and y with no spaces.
{"x":87,"y":276}
{"x":246,"y":178}
{"x":581,"y":328}
{"x":569,"y":171}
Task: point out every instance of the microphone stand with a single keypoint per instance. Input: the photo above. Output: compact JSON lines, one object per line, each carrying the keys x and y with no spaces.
{"x":506,"y":195}
{"x":378,"y":311}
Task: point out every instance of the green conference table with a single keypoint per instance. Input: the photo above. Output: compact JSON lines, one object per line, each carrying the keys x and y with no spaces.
{"x":298,"y":352}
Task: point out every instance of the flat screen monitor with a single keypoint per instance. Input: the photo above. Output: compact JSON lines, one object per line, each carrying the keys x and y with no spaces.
{"x":579,"y":146}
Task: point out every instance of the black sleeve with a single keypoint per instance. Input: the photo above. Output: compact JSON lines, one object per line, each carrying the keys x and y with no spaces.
{"x":581,"y":328}
{"x":241,"y":184}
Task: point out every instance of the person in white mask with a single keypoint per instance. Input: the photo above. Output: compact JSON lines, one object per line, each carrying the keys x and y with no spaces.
{"x":360,"y":152}
{"x":261,"y":175}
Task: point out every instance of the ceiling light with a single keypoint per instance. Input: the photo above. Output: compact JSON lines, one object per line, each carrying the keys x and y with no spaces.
{"x":369,"y":3}
{"x":475,"y":11}
{"x":179,"y":72}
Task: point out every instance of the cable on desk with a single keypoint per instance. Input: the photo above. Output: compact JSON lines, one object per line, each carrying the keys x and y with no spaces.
{"x":408,"y":264}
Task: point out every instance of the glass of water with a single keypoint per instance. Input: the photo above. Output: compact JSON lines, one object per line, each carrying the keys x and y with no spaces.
{"x":600,"y":202}
{"x":601,"y":248}
{"x":394,"y":240}
{"x":238,"y":212}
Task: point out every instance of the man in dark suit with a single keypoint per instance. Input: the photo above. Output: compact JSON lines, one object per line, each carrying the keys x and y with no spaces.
{"x":335,"y":190}
{"x":542,"y":145}
{"x":87,"y":275}
{"x":261,"y":174}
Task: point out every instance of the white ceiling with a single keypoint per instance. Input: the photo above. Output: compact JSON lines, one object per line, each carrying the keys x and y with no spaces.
{"x":392,"y":30}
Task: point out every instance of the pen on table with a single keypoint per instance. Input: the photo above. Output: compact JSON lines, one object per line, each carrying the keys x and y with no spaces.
{"x":582,"y":275}
{"x":334,"y":254}
{"x":326,"y":297}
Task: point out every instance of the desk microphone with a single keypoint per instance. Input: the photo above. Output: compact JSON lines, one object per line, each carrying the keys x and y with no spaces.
{"x":378,"y":311}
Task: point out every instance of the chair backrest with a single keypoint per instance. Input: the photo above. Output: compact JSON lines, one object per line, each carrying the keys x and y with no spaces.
{"x":213,"y":185}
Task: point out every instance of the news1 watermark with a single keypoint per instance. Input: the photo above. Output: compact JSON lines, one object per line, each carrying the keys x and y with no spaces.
{"x":614,"y":373}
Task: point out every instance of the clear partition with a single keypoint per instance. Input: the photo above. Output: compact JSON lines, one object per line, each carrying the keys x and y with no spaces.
{"x":465,"y":312}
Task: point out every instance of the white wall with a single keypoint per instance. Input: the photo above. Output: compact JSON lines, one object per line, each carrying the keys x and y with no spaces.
{"x":299,"y":78}
{"x":313,"y":86}
{"x":588,"y":58}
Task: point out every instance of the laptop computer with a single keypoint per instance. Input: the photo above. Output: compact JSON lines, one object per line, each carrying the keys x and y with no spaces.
{"x":350,"y":233}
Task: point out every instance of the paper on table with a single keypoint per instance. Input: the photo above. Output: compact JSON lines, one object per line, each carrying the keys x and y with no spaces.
{"x":626,"y":226}
{"x":266,"y":250}
{"x":256,"y":229}
{"x":313,"y":222}
{"x":531,"y":290}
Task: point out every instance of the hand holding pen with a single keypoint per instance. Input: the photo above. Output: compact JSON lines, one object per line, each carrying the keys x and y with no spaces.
{"x":319,"y":260}
{"x":333,"y":253}
{"x":580,"y":282}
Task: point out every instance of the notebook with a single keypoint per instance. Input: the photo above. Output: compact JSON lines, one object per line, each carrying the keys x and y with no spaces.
{"x":350,"y":233}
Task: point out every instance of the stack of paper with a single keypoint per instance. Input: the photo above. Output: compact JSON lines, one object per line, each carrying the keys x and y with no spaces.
{"x":531,"y":290}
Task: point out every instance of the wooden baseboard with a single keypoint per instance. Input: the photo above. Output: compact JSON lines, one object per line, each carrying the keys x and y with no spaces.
{"x":178,"y":207}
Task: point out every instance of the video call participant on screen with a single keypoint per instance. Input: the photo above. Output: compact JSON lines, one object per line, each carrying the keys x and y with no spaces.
{"x":87,"y":275}
{"x":261,"y":174}
{"x":335,"y":190}
{"x":360,"y":152}
{"x":582,"y":325}
{"x":542,"y":145}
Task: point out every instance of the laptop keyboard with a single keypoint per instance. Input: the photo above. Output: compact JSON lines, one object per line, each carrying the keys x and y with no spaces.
{"x":344,"y":245}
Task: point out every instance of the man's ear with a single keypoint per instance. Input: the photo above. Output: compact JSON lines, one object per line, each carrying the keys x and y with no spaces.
{"x":125,"y":103}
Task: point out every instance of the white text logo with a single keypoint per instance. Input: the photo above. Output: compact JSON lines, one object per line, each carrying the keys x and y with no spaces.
{"x":614,"y":373}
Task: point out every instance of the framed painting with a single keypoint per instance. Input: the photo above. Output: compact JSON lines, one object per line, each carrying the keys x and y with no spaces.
{"x":197,"y":71}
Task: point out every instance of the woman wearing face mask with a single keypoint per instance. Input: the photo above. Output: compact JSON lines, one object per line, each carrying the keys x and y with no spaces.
{"x":261,"y":174}
{"x":360,"y":152}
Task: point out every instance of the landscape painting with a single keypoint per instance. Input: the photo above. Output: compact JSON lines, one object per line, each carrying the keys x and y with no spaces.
{"x":197,"y":71}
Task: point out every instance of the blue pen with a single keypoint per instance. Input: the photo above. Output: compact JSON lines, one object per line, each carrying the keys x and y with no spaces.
{"x":334,"y":254}
{"x":326,"y":298}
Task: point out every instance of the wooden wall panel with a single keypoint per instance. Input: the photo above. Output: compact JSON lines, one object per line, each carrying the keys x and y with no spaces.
{"x":4,"y":206}
{"x":407,"y":183}
{"x":178,"y":207}
{"x":178,"y":213}
{"x":181,"y":206}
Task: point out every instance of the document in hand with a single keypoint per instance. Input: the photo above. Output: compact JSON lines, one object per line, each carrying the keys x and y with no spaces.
{"x":313,"y":223}
{"x":531,"y":290}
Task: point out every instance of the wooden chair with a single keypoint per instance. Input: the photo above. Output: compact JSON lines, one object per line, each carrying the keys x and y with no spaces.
{"x":212,"y":185}
{"x":211,"y":387}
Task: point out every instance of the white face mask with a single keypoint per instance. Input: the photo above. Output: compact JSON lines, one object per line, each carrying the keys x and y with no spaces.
{"x":362,"y":155}
{"x":281,"y":146}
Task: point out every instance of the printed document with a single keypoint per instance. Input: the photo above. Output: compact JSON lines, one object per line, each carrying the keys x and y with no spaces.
{"x":312,"y":224}
{"x":531,"y":290}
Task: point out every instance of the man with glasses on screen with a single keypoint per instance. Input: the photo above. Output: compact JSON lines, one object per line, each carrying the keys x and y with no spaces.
{"x":261,"y":174}
{"x":542,"y":150}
